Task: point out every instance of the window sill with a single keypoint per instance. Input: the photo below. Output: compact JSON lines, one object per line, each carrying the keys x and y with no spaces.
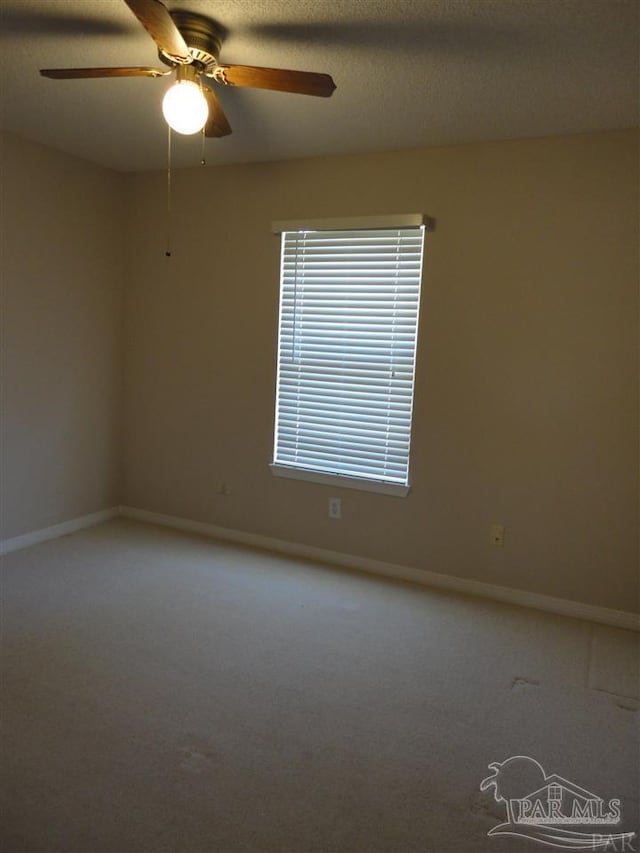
{"x":358,"y":483}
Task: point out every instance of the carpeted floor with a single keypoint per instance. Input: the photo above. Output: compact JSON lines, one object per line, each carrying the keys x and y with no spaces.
{"x":162,"y":692}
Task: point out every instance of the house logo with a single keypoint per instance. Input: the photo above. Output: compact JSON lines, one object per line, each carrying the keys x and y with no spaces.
{"x":539,"y":807}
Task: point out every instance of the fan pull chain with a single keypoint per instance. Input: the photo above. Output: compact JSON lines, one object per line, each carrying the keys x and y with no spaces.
{"x":168,"y":249}
{"x":203,"y":162}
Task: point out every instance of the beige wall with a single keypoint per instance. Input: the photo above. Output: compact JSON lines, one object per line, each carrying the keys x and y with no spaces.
{"x":61,"y":275}
{"x":527,"y":378}
{"x":526,"y":409}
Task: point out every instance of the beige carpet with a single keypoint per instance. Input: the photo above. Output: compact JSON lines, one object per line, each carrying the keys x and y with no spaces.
{"x":162,"y":692}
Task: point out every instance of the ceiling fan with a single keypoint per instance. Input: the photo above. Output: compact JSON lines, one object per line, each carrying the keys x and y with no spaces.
{"x":190,"y":45}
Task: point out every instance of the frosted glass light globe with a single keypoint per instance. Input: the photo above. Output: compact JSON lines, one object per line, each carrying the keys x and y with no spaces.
{"x":185,"y":107}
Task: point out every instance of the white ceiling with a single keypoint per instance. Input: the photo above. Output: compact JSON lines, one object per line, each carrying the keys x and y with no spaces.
{"x":409,"y":73}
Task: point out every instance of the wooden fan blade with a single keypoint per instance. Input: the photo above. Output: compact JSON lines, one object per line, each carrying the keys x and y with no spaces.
{"x":79,"y":73}
{"x":155,"y":18}
{"x":299,"y":82}
{"x":217,"y":124}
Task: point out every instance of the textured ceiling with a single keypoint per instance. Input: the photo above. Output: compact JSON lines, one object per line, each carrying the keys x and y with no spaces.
{"x":409,"y":73}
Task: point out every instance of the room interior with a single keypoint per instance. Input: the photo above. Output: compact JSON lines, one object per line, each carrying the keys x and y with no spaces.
{"x":196,"y":656}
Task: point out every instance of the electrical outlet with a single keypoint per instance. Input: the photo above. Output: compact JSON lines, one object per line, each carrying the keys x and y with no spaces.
{"x":335,"y":508}
{"x":496,"y":535}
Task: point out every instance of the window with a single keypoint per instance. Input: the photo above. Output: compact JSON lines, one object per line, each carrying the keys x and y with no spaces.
{"x":349,"y":300}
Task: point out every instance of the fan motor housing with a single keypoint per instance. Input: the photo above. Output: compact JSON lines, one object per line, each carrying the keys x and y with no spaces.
{"x":203,"y":37}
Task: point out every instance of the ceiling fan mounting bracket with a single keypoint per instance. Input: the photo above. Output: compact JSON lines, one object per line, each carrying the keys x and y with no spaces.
{"x":203,"y":37}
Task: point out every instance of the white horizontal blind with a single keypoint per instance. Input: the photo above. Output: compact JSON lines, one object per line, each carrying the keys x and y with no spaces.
{"x":348,"y":326}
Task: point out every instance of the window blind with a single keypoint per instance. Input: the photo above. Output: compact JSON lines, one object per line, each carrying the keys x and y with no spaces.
{"x":349,"y":305}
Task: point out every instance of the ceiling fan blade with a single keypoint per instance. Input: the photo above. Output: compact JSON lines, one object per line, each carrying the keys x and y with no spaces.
{"x":217,"y":124}
{"x":155,"y":18}
{"x":279,"y":79}
{"x":79,"y":73}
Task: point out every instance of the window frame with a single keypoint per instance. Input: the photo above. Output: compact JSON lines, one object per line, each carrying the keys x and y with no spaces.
{"x":298,"y":472}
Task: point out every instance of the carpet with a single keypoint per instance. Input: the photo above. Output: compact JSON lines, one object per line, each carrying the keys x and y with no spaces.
{"x":164,"y":692}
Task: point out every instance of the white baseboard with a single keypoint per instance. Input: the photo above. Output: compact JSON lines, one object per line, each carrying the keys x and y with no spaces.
{"x":561,"y":606}
{"x":56,"y":530}
{"x":548,"y":603}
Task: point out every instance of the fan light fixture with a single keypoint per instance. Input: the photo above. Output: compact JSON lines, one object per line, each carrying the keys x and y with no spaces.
{"x":190,"y":45}
{"x":184,"y":106}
